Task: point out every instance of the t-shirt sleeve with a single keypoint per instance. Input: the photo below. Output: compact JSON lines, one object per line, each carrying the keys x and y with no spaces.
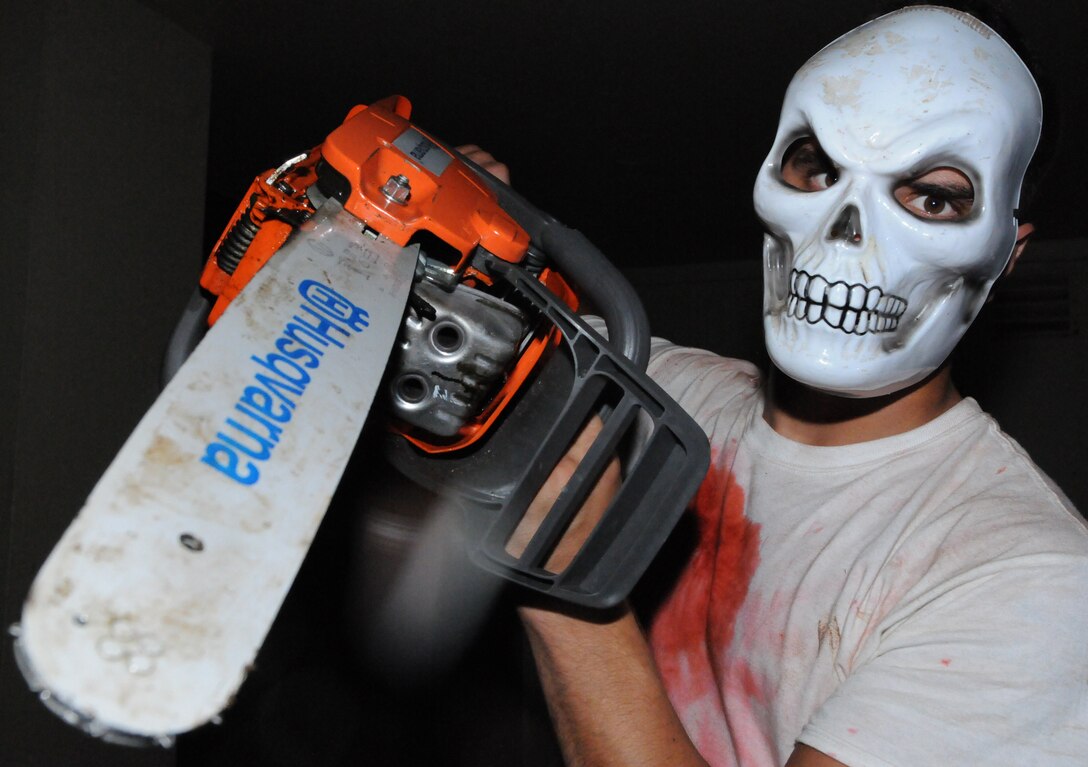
{"x":992,"y":669}
{"x":702,"y":381}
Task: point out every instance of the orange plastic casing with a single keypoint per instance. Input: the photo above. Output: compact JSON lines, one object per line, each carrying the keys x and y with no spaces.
{"x":453,"y":205}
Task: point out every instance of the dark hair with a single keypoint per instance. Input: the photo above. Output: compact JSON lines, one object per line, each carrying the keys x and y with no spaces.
{"x":995,"y":15}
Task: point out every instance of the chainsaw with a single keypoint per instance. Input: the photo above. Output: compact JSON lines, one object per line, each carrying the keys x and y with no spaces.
{"x":380,"y":270}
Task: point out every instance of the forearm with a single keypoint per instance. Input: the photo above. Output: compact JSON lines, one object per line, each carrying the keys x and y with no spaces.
{"x":604,"y":693}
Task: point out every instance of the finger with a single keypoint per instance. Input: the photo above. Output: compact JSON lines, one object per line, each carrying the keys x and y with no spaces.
{"x":587,"y":516}
{"x":486,"y":160}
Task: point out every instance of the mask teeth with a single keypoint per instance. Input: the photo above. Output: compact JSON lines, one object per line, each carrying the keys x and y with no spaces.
{"x":851,"y":308}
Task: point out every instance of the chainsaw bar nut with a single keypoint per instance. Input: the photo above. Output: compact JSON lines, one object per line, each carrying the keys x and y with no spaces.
{"x":397,"y":189}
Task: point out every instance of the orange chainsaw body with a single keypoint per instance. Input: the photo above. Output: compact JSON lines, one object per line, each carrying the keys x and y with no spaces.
{"x":380,"y":154}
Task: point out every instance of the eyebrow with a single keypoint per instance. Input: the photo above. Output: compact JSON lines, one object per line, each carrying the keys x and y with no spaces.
{"x":809,"y":154}
{"x":949,"y":191}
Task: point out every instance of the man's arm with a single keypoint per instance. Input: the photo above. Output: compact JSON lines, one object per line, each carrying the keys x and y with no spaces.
{"x":806,"y":756}
{"x":604,"y":693}
{"x":606,"y":698}
{"x":603,"y":690}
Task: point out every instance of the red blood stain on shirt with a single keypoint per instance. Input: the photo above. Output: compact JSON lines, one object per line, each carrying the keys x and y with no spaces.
{"x":946,"y":661}
{"x":696,"y":624}
{"x":748,"y":683}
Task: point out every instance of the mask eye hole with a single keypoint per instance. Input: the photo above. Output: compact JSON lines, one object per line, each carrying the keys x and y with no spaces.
{"x":942,"y":194}
{"x":806,"y":167}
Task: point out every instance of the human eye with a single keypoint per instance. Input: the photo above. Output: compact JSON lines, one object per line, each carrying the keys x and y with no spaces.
{"x":942,"y":194}
{"x":806,"y":167}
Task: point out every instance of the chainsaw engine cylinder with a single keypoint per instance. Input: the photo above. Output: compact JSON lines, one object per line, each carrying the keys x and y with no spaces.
{"x":447,"y":367}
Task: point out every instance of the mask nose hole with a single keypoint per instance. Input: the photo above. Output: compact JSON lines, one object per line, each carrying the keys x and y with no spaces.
{"x":847,"y":226}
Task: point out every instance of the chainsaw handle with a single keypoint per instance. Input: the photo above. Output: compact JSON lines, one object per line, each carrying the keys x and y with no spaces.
{"x":580,"y":261}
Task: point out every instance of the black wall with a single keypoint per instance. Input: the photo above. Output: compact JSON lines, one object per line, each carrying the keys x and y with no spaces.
{"x":104,"y":127}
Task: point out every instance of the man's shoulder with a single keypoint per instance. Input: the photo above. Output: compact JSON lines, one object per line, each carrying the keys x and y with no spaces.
{"x":669,"y":361}
{"x":702,"y":381}
{"x":993,"y":484}
{"x":1018,"y":473}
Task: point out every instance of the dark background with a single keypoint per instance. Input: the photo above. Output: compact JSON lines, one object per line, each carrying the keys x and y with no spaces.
{"x":641,"y":122}
{"x":130,"y":129}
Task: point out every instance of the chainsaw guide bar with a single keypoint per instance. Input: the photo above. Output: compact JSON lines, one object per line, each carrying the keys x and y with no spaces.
{"x":146,"y":616}
{"x":379,"y":264}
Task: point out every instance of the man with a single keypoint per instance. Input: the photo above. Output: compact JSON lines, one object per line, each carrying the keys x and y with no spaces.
{"x":882,"y":577}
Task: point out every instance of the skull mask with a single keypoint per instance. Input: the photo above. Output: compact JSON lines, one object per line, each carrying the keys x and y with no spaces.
{"x":889,"y":198}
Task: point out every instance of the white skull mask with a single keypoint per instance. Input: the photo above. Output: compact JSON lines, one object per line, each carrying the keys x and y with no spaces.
{"x":924,"y":122}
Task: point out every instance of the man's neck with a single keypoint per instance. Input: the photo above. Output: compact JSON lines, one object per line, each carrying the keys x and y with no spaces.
{"x":813,"y":417}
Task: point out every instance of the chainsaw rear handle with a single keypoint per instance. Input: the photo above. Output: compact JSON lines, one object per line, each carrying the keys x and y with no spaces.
{"x":582,"y":263}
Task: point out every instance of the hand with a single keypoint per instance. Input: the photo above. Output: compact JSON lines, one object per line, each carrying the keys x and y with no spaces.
{"x":586,"y":518}
{"x":486,"y":161}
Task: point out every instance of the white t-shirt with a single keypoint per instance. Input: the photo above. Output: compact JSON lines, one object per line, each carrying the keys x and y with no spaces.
{"x":918,"y":600}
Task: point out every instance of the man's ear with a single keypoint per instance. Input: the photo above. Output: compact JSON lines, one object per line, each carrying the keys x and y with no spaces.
{"x":1023,"y":233}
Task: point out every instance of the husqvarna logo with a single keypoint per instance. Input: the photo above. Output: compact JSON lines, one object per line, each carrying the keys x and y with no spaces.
{"x":325,"y":322}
